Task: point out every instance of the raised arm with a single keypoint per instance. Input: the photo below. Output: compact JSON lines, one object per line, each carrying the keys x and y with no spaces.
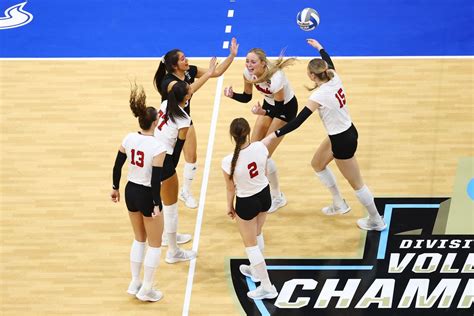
{"x":202,"y":80}
{"x":220,"y":69}
{"x":324,"y":55}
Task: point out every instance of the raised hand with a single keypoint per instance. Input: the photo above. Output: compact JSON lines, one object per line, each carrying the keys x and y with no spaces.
{"x":314,"y":43}
{"x":234,"y":47}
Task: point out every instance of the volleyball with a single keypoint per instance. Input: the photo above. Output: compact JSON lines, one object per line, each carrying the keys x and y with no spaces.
{"x":307,"y":19}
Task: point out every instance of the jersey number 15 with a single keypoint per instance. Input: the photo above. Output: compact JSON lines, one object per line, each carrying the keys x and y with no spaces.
{"x":341,"y":97}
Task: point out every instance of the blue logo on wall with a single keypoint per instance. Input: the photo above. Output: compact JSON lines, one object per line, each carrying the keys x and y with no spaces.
{"x":15,"y":16}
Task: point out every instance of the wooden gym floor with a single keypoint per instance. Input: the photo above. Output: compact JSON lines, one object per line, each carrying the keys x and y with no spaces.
{"x":65,"y":247}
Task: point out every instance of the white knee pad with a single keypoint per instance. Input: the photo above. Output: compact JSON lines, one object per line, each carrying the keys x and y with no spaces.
{"x":152,"y":257}
{"x":137,"y":251}
{"x":255,"y":255}
{"x":170,"y":213}
{"x":327,"y":177}
{"x":271,"y":166}
{"x":365,"y":196}
{"x":190,"y":170}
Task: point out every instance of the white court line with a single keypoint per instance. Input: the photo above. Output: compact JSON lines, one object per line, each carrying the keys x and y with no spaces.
{"x":202,"y":197}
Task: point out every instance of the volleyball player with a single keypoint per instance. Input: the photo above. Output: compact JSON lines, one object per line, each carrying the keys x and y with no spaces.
{"x":279,"y":107}
{"x":142,"y":195}
{"x":174,"y":67}
{"x":244,"y":174}
{"x":330,"y":100}
{"x":173,"y":125}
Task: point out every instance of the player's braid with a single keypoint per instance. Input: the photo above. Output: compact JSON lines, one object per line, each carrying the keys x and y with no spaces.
{"x":238,"y":144}
{"x":239,"y":130}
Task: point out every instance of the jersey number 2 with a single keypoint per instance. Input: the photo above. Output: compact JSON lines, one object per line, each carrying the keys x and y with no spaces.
{"x":341,"y":97}
{"x":253,"y":172}
{"x":139,"y":156}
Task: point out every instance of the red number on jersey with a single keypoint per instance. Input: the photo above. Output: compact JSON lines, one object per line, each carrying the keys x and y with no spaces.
{"x":140,"y":158}
{"x":164,"y":119}
{"x":341,"y":97}
{"x":253,"y":172}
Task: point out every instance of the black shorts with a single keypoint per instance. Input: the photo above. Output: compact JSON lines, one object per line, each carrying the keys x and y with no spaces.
{"x":249,"y":207}
{"x":291,"y":109}
{"x":139,"y":198}
{"x":168,"y":168}
{"x":344,"y":145}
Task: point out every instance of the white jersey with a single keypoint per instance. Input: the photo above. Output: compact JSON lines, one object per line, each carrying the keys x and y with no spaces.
{"x":333,"y":108}
{"x":140,"y":150}
{"x":167,"y":131}
{"x":277,"y":82}
{"x":249,"y":173}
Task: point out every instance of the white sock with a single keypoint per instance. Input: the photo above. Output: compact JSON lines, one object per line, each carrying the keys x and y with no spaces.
{"x":329,"y":180}
{"x":136,"y":259}
{"x":367,"y":199}
{"x":272,"y":175}
{"x":260,"y":242}
{"x":258,"y":262}
{"x":170,"y":214}
{"x":152,"y":260}
{"x":189,"y":173}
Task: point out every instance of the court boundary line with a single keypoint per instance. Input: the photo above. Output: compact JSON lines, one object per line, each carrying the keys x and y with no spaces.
{"x":202,"y":197}
{"x":236,"y":58}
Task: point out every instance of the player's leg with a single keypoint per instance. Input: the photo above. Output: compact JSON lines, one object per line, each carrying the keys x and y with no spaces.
{"x":190,"y":168}
{"x":278,"y":198}
{"x":321,"y":159}
{"x":169,"y":195}
{"x":154,"y":230}
{"x":350,"y":170}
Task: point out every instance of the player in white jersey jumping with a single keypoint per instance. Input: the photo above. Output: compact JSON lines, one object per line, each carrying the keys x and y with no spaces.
{"x":173,"y":125}
{"x":244,"y":174}
{"x":174,"y":67}
{"x":142,"y":195}
{"x":280,"y":106}
{"x":341,"y":144}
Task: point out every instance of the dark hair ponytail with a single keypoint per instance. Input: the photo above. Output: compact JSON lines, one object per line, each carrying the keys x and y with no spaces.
{"x":239,"y":130}
{"x":175,"y":97}
{"x":166,"y":65}
{"x":146,"y":115}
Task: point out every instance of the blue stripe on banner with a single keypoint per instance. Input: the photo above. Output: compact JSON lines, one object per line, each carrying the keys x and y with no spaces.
{"x":340,"y":267}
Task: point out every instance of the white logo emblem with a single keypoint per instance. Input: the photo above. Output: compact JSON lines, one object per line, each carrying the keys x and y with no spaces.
{"x":15,"y":16}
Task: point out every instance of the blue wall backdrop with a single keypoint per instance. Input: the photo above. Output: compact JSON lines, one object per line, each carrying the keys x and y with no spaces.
{"x":148,"y":28}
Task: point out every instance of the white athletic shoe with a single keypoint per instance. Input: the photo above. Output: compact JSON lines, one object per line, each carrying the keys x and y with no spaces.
{"x":134,"y":287}
{"x":249,"y":271}
{"x":188,"y":199}
{"x":369,"y":224}
{"x":180,"y":239}
{"x":259,"y":293}
{"x":150,"y":295}
{"x":336,"y":209}
{"x":180,"y":255}
{"x":277,"y":202}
